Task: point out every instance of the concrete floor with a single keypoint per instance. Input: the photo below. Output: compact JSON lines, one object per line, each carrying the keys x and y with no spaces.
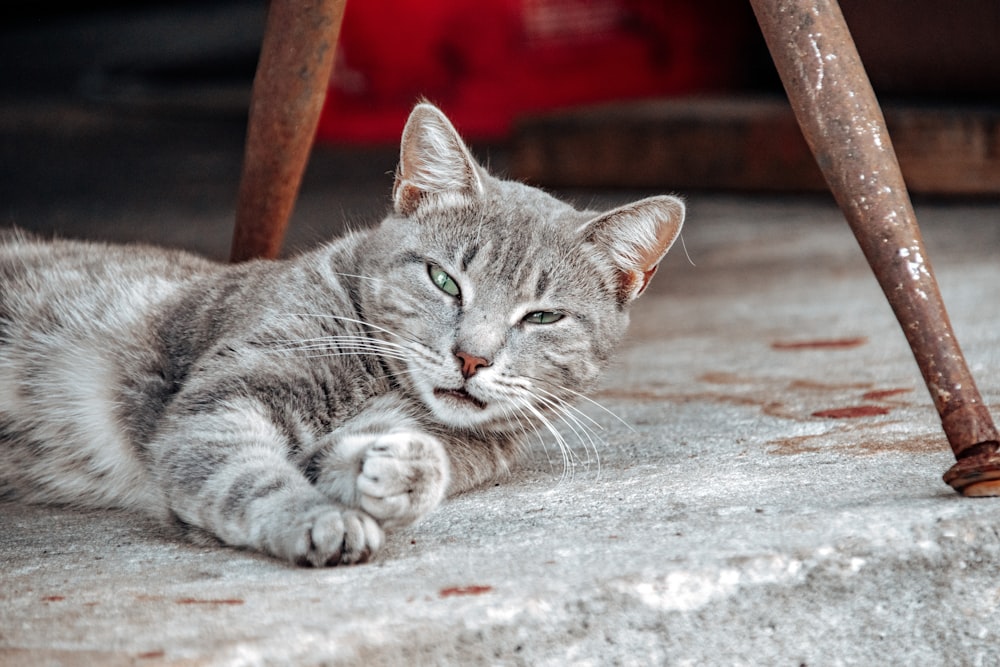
{"x":719,"y":519}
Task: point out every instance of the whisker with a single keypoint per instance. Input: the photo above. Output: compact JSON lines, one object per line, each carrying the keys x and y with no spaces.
{"x":341,"y":339}
{"x":582,"y":425}
{"x":563,"y":403}
{"x":354,"y":275}
{"x":564,"y":449}
{"x":342,"y":318}
{"x":370,"y":349}
{"x":323,"y":355}
{"x":684,"y":246}
{"x":512,"y":416}
{"x":516,"y":412}
{"x":576,"y":426}
{"x":587,"y":399}
{"x":335,"y":343}
{"x":395,"y":374}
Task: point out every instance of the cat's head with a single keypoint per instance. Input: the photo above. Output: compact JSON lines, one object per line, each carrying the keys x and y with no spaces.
{"x":504,"y":301}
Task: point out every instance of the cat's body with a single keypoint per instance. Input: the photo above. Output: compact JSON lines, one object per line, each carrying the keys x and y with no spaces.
{"x":299,"y":407}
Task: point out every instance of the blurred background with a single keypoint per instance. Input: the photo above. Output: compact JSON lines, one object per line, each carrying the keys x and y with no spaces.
{"x":123,"y":119}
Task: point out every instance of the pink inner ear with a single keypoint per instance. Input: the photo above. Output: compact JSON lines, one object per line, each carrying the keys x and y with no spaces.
{"x":630,"y":278}
{"x":407,"y":198}
{"x":646,"y":277}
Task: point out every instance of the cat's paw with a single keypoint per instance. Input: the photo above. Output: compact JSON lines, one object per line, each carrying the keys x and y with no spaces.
{"x":328,"y":535}
{"x":397,"y":477}
{"x":403,"y":476}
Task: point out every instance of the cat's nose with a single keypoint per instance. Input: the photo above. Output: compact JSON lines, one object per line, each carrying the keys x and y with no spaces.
{"x":470,"y":363}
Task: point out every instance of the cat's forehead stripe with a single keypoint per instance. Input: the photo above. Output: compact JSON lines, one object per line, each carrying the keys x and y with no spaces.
{"x":470,"y":254}
{"x":409,"y":257}
{"x":541,"y":284}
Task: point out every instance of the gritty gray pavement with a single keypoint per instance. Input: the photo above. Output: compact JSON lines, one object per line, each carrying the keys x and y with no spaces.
{"x":768,"y":493}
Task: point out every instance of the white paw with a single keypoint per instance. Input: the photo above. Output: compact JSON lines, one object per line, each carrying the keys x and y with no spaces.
{"x":330,"y":536}
{"x":403,"y":476}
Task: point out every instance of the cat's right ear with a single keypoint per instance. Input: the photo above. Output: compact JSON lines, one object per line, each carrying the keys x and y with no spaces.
{"x":434,"y":164}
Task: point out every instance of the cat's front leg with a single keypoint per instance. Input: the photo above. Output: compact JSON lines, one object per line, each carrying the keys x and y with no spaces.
{"x":225,"y":470}
{"x":385,"y":464}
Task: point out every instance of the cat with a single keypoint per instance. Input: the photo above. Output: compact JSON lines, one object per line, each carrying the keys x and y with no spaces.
{"x":301,"y":407}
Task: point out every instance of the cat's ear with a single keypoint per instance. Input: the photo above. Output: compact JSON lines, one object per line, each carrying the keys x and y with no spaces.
{"x":434,"y":163}
{"x":636,"y":237}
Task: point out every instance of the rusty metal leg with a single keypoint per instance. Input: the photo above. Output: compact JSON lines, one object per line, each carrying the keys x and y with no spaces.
{"x":843,"y":124}
{"x":294,"y":69}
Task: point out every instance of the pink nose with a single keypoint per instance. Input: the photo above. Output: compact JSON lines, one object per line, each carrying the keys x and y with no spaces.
{"x":470,"y":363}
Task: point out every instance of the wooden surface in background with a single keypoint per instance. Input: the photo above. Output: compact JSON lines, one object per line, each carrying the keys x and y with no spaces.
{"x":744,"y":144}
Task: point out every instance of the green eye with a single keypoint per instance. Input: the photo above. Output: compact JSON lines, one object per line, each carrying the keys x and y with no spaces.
{"x":444,"y":282}
{"x":543,"y":317}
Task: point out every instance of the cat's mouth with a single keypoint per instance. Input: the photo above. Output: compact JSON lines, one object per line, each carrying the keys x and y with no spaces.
{"x":462,"y":396}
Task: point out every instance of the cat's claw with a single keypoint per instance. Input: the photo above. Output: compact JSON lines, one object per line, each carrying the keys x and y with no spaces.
{"x":404,"y":475}
{"x":330,"y":536}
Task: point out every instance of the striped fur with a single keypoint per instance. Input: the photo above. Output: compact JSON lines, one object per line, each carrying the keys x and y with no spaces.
{"x":300,"y":407}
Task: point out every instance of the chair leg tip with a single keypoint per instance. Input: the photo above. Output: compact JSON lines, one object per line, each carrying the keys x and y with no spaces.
{"x":976,"y":476}
{"x":987,"y":489}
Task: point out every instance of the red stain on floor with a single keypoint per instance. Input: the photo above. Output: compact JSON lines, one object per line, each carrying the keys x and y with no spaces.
{"x":880,"y":394}
{"x":821,"y":344}
{"x":852,"y":412}
{"x":862,"y":444}
{"x":232,"y":601}
{"x":53,"y":598}
{"x":464,"y":590}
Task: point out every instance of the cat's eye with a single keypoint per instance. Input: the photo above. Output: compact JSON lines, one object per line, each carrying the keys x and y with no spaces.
{"x":543,"y":317}
{"x":444,"y":282}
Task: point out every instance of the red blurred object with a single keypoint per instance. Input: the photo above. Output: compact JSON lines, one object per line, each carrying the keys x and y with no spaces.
{"x":485,"y":62}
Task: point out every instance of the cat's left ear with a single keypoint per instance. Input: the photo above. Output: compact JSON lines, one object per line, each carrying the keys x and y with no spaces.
{"x":636,"y":237}
{"x":434,"y":163}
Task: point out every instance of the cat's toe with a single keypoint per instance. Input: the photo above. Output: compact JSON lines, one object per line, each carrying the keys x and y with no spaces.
{"x":326,"y":540}
{"x":362,"y":538}
{"x":391,"y":511}
{"x":337,"y":537}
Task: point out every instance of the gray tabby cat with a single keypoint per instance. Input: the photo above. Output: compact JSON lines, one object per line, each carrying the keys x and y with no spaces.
{"x":301,"y":407}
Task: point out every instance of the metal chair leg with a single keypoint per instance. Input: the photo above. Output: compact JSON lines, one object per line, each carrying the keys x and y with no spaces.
{"x":293,"y":72}
{"x":839,"y":116}
{"x":843,"y":125}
